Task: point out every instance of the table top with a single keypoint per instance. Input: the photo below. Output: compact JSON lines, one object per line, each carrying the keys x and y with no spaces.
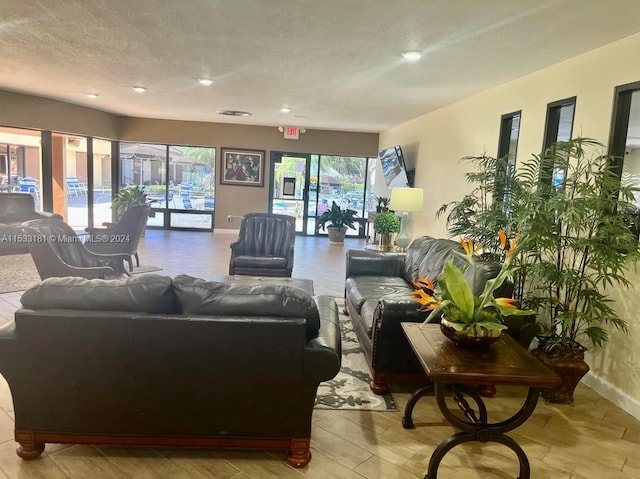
{"x":503,"y":362}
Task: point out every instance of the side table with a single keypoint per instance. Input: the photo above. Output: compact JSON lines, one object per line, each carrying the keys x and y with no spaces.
{"x":451,"y":368}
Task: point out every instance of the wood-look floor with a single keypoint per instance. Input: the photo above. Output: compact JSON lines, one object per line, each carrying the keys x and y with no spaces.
{"x":591,"y":439}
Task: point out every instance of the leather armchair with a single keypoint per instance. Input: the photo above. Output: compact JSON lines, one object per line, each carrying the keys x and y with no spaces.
{"x":15,"y":209}
{"x":122,"y":237}
{"x":265,"y":245}
{"x":57,"y":250}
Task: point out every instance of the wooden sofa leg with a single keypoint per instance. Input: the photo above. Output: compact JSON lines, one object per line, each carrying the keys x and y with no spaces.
{"x":29,"y":451}
{"x":299,"y":453}
{"x":379,"y":386}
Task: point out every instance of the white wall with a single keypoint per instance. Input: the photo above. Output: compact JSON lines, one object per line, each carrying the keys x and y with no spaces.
{"x":471,"y":127}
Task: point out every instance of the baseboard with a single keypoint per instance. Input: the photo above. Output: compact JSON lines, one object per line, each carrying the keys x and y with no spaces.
{"x":226,"y":231}
{"x":613,"y":394}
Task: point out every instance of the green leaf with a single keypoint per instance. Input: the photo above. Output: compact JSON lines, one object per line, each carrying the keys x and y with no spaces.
{"x":458,"y":290}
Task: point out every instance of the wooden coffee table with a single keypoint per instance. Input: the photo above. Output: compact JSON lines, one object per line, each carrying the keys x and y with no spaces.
{"x":452,"y":369}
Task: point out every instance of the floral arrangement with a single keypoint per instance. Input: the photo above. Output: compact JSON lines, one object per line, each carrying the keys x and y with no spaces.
{"x":454,"y":298}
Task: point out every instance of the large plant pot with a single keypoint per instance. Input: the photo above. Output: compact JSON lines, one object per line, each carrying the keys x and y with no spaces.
{"x":568,"y":363}
{"x":336,"y":235}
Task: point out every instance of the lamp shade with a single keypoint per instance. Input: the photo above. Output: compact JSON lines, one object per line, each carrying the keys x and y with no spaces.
{"x":406,"y":199}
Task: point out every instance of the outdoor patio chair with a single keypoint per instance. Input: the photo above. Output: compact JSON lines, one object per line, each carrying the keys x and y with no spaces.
{"x":122,"y":237}
{"x":186,"y":200}
{"x":58,"y":251}
{"x":265,"y":245}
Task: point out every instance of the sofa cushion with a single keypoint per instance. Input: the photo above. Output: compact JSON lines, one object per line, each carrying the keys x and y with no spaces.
{"x":145,"y":293}
{"x":260,"y":262}
{"x":362,"y":288}
{"x":215,"y":298}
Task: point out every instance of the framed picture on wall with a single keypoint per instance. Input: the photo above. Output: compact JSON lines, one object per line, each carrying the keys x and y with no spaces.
{"x":242,"y":167}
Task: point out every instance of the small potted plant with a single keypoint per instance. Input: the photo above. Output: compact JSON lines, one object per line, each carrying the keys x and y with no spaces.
{"x":467,"y":319}
{"x":385,"y":224}
{"x":338,"y":221}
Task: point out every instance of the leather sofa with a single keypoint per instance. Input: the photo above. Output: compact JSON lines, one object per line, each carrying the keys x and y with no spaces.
{"x":378,"y":298}
{"x":150,"y":360}
{"x":15,"y":209}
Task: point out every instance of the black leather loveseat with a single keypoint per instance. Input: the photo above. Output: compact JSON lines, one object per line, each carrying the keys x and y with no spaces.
{"x":15,"y":209}
{"x":153,"y":361}
{"x":378,"y":298}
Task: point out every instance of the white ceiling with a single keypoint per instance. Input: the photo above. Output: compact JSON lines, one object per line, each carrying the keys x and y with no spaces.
{"x":335,"y":63}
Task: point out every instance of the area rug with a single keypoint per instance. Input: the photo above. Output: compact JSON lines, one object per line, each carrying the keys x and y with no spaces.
{"x":350,"y":388}
{"x":18,"y":273}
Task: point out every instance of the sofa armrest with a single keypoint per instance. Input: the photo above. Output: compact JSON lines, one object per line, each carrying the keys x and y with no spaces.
{"x":8,"y":347}
{"x":374,"y":263}
{"x":390,"y":348}
{"x":323,"y":354}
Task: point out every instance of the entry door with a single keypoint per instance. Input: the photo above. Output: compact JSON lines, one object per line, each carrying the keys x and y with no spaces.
{"x":290,"y":188}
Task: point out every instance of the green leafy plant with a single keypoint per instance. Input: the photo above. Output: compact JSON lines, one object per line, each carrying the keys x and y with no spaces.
{"x":487,"y":208}
{"x":386,"y":222}
{"x":336,"y":217}
{"x":454,"y":297}
{"x":129,"y":196}
{"x":577,"y":239}
{"x":383,"y":203}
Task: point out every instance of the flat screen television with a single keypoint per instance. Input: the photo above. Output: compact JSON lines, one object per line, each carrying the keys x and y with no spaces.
{"x":393,"y":167}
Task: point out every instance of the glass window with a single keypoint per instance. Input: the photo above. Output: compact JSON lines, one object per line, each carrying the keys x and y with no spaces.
{"x":101,"y":182}
{"x":507,"y":148}
{"x":558,"y":127}
{"x":175,"y":178}
{"x":625,"y":136}
{"x":76,"y":180}
{"x":21,"y":162}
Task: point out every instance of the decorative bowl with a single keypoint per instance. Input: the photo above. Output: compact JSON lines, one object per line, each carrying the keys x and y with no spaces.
{"x":461,"y":338}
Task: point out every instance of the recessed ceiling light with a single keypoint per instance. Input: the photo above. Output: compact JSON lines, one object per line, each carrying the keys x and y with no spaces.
{"x":233,"y":113}
{"x":285,"y":109}
{"x":93,"y":96}
{"x":412,"y":55}
{"x":205,"y":81}
{"x":139,"y":89}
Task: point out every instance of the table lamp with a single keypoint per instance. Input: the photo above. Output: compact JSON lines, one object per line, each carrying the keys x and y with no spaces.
{"x":405,"y":200}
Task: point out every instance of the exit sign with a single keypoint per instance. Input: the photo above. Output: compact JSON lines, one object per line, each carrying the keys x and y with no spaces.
{"x":291,"y":132}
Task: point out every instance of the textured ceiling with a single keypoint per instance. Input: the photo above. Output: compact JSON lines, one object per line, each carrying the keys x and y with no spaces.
{"x":335,"y":63}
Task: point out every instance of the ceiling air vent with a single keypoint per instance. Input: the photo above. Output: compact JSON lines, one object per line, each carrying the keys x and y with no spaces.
{"x":233,"y":113}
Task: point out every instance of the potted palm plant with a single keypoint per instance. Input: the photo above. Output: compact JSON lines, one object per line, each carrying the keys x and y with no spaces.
{"x":127,"y":197}
{"x":336,"y":221}
{"x":578,"y":241}
{"x":385,"y":224}
{"x":487,"y":207}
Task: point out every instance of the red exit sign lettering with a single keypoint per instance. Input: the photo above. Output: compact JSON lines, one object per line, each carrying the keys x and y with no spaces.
{"x":291,"y":132}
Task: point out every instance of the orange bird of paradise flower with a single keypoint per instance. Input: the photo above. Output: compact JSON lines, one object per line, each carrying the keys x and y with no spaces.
{"x":507,"y":302}
{"x":424,"y":294}
{"x":469,"y":248}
